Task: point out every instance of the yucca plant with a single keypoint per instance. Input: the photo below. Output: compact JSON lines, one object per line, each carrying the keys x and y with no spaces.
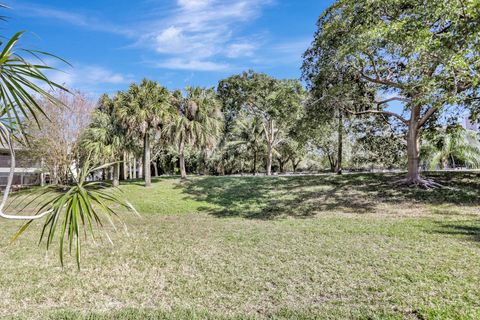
{"x":20,"y":81}
{"x":73,"y":211}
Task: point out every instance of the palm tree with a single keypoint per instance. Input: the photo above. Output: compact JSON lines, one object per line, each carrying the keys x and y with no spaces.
{"x":249,"y":132}
{"x":104,"y":139}
{"x":452,"y":144}
{"x":144,"y":109}
{"x":198,"y":121}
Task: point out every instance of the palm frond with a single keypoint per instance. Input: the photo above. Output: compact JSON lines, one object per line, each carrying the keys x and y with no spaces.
{"x":75,"y":212}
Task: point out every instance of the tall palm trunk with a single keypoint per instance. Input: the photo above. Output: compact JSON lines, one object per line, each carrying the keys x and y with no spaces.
{"x":116,"y":175}
{"x":140,"y":168}
{"x":146,"y":162}
{"x":130,"y":168}
{"x":134,"y":164}
{"x":123,"y":168}
{"x":181,"y":152}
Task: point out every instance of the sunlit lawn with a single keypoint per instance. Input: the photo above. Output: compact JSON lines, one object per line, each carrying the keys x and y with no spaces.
{"x":257,"y":247}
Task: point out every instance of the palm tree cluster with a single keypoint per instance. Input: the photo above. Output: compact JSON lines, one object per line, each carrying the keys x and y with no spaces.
{"x":148,"y":117}
{"x":148,"y":128}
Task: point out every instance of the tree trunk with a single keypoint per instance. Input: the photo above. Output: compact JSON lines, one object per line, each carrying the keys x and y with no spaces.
{"x":181,"y":152}
{"x":55,"y":175}
{"x":413,"y":178}
{"x":130,"y":167}
{"x":413,"y":147}
{"x":42,"y":173}
{"x":146,"y":162}
{"x":134,"y":168}
{"x":295,"y":165}
{"x":331,"y":161}
{"x":270,"y":135}
{"x":269,"y":159}
{"x":123,"y":175}
{"x":255,"y":162}
{"x":155,"y":168}
{"x":338,"y":168}
{"x":116,"y":175}
{"x":282,"y":164}
{"x":140,"y":168}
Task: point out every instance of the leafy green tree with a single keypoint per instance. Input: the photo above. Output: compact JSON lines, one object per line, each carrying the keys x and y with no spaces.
{"x":198,"y":122}
{"x":330,"y":106}
{"x":290,"y":150}
{"x":276,"y":103}
{"x":144,"y":109}
{"x":422,"y":54}
{"x":377,"y":144}
{"x":322,"y":141}
{"x":450,"y":146}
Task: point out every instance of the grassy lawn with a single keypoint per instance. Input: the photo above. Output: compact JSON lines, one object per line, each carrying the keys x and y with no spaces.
{"x":258,"y":247}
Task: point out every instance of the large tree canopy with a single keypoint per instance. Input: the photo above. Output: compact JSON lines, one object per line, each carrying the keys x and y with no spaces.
{"x":275,"y":102}
{"x":423,"y":53}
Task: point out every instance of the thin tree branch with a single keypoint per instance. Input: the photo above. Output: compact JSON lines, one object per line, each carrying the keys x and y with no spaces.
{"x":396,"y":115}
{"x":381,"y":81}
{"x":392,"y":99}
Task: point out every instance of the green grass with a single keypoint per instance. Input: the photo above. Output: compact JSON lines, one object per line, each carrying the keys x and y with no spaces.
{"x":258,"y":247}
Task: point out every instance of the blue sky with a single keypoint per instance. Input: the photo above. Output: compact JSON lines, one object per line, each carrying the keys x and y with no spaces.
{"x":176,"y":42}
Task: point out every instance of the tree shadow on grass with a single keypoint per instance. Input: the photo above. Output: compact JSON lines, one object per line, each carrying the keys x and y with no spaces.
{"x":305,"y":196}
{"x":141,"y":182}
{"x":469,"y":229}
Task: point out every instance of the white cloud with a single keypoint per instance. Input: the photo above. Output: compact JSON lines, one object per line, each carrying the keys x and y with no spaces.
{"x":197,"y":35}
{"x":180,"y":64}
{"x":101,"y":75}
{"x":87,"y":78}
{"x":237,"y":50}
{"x":84,"y":21}
{"x":194,"y":4}
{"x":199,"y":32}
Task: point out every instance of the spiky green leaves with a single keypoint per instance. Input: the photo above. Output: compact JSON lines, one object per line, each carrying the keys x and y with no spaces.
{"x":21,"y":80}
{"x":75,"y":211}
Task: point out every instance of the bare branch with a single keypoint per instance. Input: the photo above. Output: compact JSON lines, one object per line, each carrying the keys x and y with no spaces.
{"x":385,"y":82}
{"x":392,"y":99}
{"x":377,"y":79}
{"x":388,"y":113}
